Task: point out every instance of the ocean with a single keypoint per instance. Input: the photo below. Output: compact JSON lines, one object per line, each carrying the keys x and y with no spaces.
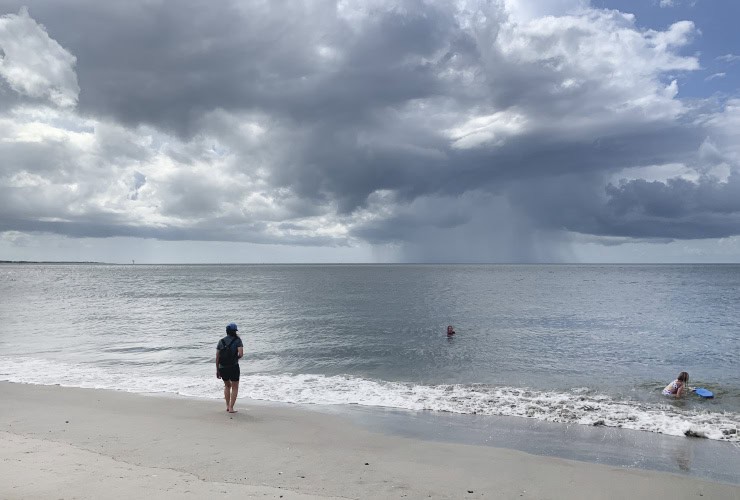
{"x":581,"y":345}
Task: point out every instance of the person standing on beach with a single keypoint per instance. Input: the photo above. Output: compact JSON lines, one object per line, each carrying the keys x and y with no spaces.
{"x":228,"y":352}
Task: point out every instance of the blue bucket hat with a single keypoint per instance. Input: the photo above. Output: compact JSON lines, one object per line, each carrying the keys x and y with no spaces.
{"x":231,"y":327}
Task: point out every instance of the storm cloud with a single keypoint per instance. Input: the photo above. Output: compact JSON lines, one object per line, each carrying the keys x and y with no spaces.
{"x":334,"y":123}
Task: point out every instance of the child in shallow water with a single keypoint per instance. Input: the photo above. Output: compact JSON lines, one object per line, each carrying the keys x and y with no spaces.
{"x":678,"y":387}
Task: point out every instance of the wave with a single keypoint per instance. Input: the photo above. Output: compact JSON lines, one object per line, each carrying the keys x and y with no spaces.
{"x":577,"y":406}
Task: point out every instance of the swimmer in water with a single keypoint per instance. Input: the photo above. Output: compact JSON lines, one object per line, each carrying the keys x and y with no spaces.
{"x":678,"y":387}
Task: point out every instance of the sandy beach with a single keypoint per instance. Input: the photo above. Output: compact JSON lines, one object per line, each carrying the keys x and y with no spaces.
{"x":83,"y":443}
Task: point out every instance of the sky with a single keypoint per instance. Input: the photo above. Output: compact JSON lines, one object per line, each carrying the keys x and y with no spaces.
{"x":470,"y":131}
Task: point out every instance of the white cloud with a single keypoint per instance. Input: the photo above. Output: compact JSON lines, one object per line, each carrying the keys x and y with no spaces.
{"x":102,"y":173}
{"x":656,"y":173}
{"x":724,"y":130}
{"x":494,"y":128}
{"x":715,"y":76}
{"x":526,"y":10}
{"x":729,"y":58}
{"x":33,"y":64}
{"x":593,"y":71}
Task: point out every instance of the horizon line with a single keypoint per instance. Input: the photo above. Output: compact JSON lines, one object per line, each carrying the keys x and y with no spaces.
{"x":89,"y":262}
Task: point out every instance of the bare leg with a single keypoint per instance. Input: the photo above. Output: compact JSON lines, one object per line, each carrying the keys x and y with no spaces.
{"x":227,"y":390}
{"x":234,"y":392}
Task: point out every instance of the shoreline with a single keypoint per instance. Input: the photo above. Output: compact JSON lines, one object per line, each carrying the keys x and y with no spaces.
{"x":627,"y":448}
{"x":60,"y":442}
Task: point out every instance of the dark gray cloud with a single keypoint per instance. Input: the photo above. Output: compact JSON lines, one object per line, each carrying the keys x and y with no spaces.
{"x":675,"y":209}
{"x":667,"y":210}
{"x":108,"y":226}
{"x":328,"y":122}
{"x":166,"y":63}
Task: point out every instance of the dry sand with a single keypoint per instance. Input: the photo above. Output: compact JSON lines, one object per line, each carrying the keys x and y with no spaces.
{"x":81,"y":443}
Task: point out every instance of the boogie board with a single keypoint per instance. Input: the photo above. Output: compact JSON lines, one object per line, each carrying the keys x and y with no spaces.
{"x":705,"y":393}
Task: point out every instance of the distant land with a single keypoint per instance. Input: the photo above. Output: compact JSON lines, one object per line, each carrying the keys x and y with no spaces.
{"x":48,"y":262}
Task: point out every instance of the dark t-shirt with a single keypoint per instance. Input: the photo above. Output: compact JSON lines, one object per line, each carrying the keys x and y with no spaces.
{"x":237,"y":342}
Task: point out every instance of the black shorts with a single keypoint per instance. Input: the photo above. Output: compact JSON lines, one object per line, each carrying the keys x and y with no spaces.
{"x":230,"y":373}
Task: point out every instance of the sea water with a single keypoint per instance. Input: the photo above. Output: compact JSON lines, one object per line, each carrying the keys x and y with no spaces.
{"x":586,"y":345}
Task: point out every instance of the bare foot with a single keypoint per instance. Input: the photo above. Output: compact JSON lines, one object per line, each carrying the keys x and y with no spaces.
{"x":231,"y":411}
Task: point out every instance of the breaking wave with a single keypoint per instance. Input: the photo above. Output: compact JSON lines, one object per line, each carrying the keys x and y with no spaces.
{"x":577,"y":406}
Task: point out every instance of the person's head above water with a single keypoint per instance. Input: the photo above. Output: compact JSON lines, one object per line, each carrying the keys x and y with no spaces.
{"x":450,"y":330}
{"x":683,"y":377}
{"x":231,"y":329}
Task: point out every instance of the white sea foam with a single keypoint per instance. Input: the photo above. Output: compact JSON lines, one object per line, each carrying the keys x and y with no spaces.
{"x":578,"y":406}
